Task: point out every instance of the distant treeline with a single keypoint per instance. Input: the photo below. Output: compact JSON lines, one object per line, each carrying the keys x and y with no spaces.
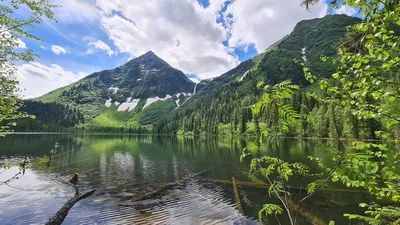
{"x":49,"y":117}
{"x":55,"y":117}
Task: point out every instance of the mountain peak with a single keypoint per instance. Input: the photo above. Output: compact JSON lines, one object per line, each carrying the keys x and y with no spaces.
{"x":148,"y":56}
{"x":149,"y":60}
{"x":149,"y":53}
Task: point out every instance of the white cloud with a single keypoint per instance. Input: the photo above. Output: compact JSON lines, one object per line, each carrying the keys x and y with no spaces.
{"x":159,"y":25}
{"x":21,"y":44}
{"x":100,"y":45}
{"x":263,"y":22}
{"x":350,"y":11}
{"x":36,"y":79}
{"x":58,"y":50}
{"x":76,"y":11}
{"x":43,"y":47}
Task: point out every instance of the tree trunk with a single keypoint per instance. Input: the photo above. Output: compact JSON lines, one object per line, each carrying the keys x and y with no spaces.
{"x":63,"y":212}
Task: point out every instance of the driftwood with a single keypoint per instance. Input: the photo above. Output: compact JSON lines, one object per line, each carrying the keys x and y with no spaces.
{"x":169,"y":185}
{"x":63,"y":212}
{"x":237,"y":197}
{"x":305,"y":214}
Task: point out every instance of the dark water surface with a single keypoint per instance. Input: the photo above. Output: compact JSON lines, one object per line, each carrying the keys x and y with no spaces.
{"x":123,"y":168}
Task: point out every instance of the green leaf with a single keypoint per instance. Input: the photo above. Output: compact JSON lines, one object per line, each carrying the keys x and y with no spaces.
{"x":357,"y":65}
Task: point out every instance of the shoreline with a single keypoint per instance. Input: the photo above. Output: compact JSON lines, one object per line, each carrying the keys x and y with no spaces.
{"x":183,"y":135}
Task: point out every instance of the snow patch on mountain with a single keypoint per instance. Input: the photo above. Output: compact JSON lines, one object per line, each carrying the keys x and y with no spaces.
{"x":128,"y":105}
{"x":108,"y":103}
{"x":114,"y":89}
{"x":149,"y":101}
{"x":244,"y":75}
{"x":303,"y":54}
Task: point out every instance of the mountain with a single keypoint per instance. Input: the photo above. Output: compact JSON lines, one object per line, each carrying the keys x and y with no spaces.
{"x":221,"y":105}
{"x":146,"y":90}
{"x":139,"y":92}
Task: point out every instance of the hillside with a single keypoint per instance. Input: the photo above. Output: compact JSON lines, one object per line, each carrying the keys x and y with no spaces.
{"x":139,"y":92}
{"x":222,"y":105}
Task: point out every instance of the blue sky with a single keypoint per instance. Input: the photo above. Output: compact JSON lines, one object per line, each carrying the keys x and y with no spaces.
{"x":203,"y":38}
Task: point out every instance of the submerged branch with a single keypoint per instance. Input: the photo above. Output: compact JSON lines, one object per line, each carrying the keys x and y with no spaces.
{"x":237,"y":197}
{"x":259,"y":185}
{"x":305,"y":214}
{"x":63,"y":212}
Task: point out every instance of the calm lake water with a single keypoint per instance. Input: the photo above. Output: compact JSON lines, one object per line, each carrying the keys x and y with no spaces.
{"x":124,"y":168}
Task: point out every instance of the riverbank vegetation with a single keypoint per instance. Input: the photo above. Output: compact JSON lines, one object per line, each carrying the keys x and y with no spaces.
{"x":366,"y":86}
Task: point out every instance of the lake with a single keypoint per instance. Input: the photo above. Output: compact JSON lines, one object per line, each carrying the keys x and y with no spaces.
{"x":188,"y":176}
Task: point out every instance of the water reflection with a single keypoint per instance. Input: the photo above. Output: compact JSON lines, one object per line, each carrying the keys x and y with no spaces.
{"x":125,"y":167}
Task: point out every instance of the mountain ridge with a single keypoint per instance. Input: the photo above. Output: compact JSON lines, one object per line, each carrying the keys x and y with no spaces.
{"x":147,"y":90}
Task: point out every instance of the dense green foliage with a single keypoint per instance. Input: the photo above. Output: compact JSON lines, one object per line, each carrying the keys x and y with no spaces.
{"x":365,"y":85}
{"x":277,"y":172}
{"x":12,"y":29}
{"x":50,"y":117}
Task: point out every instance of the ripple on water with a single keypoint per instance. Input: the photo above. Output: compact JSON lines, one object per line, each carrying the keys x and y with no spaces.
{"x":190,"y":203}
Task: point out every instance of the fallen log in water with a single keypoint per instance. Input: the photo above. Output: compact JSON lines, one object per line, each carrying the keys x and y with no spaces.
{"x":305,"y":214}
{"x":264,"y":185}
{"x":63,"y":212}
{"x":246,"y":173}
{"x":169,"y":185}
{"x":246,"y":184}
{"x":237,"y":197}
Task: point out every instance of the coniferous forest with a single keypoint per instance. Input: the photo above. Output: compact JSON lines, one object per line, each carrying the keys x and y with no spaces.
{"x":49,"y":117}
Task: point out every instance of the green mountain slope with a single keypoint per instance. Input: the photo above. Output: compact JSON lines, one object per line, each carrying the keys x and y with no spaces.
{"x":222,"y":104}
{"x":112,"y":97}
